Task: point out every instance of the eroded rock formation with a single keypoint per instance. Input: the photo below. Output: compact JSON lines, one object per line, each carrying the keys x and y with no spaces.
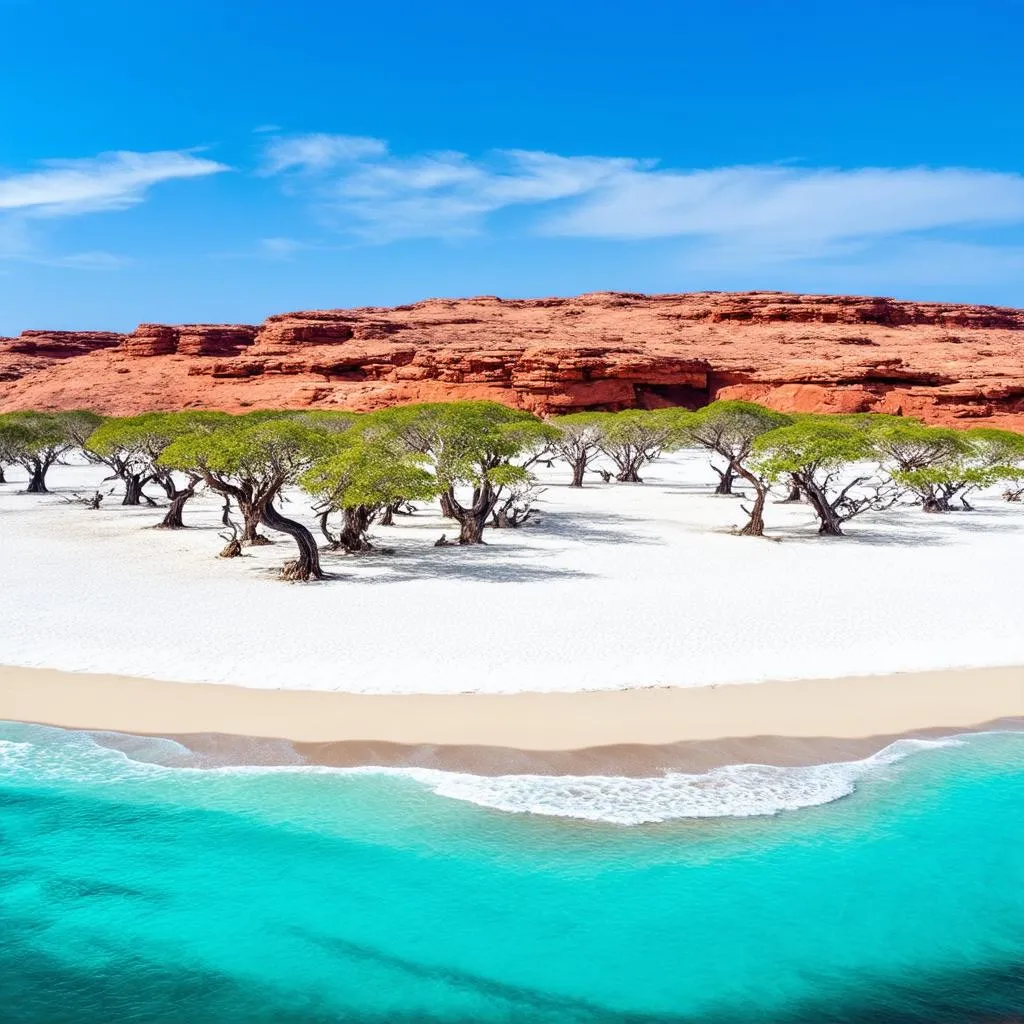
{"x":956,"y":364}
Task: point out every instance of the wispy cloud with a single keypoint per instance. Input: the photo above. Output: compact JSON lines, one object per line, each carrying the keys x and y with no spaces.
{"x":110,"y":181}
{"x":93,"y":260}
{"x":386,"y":197}
{"x":784,"y":212}
{"x":318,"y":151}
{"x":791,"y":204}
{"x":281,"y":248}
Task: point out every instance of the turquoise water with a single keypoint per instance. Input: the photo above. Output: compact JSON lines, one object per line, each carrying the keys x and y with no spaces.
{"x":134,"y":891}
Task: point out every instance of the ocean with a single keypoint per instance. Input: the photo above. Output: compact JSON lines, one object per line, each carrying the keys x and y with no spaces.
{"x":137,"y":886}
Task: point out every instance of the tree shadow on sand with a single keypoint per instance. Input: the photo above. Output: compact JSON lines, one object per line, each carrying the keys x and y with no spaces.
{"x":484,"y":564}
{"x":593,"y":528}
{"x":911,"y":527}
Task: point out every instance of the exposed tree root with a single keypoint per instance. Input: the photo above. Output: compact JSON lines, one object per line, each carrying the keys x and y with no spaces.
{"x":295,"y":572}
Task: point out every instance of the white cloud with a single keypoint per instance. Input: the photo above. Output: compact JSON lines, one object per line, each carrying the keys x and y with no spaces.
{"x":280,"y":248}
{"x":318,"y":152}
{"x":110,"y":181}
{"x":93,"y":260}
{"x":782,"y":212}
{"x":793,"y":205}
{"x":441,"y":194}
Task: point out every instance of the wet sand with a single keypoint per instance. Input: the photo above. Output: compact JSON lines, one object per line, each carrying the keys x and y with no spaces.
{"x":622,"y":732}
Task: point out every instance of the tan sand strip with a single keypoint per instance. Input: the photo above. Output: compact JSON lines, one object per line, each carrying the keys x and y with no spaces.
{"x":625,"y":731}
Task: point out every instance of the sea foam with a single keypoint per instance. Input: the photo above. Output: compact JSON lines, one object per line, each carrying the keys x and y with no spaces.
{"x":736,"y":791}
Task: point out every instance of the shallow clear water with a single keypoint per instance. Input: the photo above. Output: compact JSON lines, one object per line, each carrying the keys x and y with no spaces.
{"x":134,"y":891}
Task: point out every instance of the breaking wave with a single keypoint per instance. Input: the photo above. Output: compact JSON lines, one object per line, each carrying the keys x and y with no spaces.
{"x":739,"y":791}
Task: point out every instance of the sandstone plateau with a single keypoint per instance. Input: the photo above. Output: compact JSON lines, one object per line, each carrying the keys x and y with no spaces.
{"x":952,"y":364}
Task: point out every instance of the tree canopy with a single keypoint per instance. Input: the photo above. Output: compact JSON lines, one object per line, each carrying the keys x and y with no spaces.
{"x":367,"y":475}
{"x":467,"y":444}
{"x":578,"y":441}
{"x":36,"y":440}
{"x":815,"y":451}
{"x":479,"y":459}
{"x":250,"y":459}
{"x":728,"y":429}
{"x":634,"y":437}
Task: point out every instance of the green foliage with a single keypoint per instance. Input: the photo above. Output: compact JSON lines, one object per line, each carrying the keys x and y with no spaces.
{"x":576,"y":421}
{"x":463,"y":442}
{"x":653,"y":430}
{"x":730,"y":427}
{"x":370,"y":473}
{"x":909,"y":445}
{"x":952,"y":476}
{"x":577,"y":429}
{"x":270,"y":450}
{"x":972,"y":459}
{"x":134,"y":443}
{"x":809,"y":446}
{"x":330,"y":421}
{"x":29,"y":437}
{"x":992,"y":447}
{"x":577,"y":442}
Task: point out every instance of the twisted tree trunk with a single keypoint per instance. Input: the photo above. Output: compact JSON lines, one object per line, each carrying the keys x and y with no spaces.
{"x":795,"y":495}
{"x":332,"y":541}
{"x":471,"y":528}
{"x":173,"y":519}
{"x":829,"y":523}
{"x":472,"y":520}
{"x":133,"y":489}
{"x":37,"y":479}
{"x":755,"y":524}
{"x":307,"y":565}
{"x":579,"y":468}
{"x":3,"y":479}
{"x":253,"y":513}
{"x":725,"y":479}
{"x":354,"y":527}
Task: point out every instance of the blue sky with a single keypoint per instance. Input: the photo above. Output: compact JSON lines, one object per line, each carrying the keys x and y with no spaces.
{"x":221,"y":160}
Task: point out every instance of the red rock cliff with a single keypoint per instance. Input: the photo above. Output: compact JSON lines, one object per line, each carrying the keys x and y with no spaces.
{"x":945,"y":363}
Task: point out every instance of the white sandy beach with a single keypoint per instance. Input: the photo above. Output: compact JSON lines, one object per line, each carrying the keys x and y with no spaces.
{"x":617,"y":586}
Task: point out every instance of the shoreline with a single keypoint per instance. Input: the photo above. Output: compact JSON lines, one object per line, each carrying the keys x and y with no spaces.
{"x":622,"y":732}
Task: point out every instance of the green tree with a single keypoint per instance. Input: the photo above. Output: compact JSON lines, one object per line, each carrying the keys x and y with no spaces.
{"x":817,"y":453}
{"x":38,"y":440}
{"x":1000,"y":450}
{"x":363,"y":480}
{"x":470,"y":446}
{"x":1003,"y":450}
{"x":635,"y":437}
{"x":250,"y":460}
{"x":729,"y":429}
{"x":975,"y":459}
{"x":907,"y":444}
{"x":578,"y":441}
{"x":131,"y":447}
{"x":8,"y":450}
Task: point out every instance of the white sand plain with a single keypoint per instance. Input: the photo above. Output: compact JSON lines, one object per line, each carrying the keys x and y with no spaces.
{"x":617,"y":586}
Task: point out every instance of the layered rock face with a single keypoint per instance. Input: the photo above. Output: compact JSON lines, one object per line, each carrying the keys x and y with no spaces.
{"x":956,"y":364}
{"x":189,"y":339}
{"x":36,"y":350}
